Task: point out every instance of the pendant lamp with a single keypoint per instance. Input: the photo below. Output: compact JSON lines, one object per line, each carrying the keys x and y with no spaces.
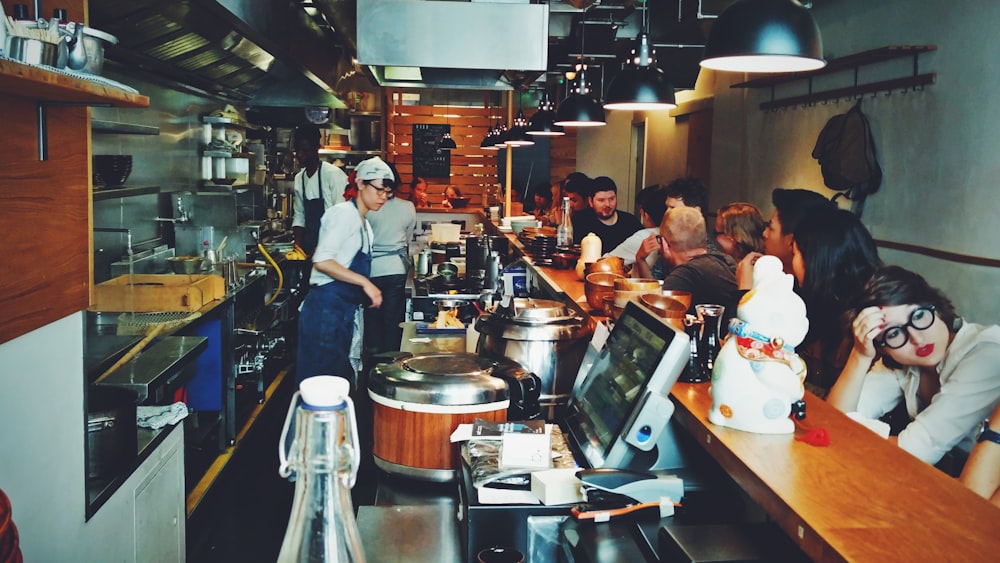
{"x":764,"y":36}
{"x":580,"y":108}
{"x":640,"y":85}
{"x":543,"y":122}
{"x":518,"y":134}
{"x":447,"y":143}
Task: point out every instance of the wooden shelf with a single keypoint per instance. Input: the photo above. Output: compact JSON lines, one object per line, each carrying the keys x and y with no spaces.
{"x":114,"y":127}
{"x":27,"y":81}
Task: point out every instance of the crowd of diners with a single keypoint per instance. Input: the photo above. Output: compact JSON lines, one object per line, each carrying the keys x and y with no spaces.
{"x":882,"y":343}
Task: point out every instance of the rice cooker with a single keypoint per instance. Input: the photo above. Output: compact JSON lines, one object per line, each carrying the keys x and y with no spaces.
{"x":418,"y":401}
{"x":546,"y":337}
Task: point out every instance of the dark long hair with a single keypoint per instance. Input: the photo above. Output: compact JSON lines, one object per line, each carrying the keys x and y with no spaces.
{"x":840,"y":257}
{"x":892,"y":285}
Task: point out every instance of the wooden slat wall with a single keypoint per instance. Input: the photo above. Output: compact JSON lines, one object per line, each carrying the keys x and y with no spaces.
{"x":472,"y":168}
{"x":45,"y":212}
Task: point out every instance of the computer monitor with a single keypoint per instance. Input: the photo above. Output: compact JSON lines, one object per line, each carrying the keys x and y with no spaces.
{"x":618,"y":414}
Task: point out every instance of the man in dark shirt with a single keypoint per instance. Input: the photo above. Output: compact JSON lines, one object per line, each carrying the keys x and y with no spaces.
{"x":705,"y":274}
{"x":604,"y":220}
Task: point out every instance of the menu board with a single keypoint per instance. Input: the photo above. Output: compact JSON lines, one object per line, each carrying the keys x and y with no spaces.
{"x":428,"y":160}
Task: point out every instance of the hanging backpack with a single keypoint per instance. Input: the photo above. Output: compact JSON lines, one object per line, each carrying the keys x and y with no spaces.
{"x":845,"y":150}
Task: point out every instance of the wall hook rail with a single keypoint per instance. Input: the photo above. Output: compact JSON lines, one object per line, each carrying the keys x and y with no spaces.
{"x":854,"y":62}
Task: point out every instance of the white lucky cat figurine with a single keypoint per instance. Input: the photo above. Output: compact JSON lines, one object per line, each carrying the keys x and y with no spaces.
{"x":757,"y":375}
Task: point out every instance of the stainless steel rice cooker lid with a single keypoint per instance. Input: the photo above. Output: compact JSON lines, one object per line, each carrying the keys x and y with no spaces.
{"x":439,"y":379}
{"x":534,"y":319}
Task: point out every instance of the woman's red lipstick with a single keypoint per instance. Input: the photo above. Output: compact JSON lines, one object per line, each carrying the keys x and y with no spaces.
{"x":925,"y":350}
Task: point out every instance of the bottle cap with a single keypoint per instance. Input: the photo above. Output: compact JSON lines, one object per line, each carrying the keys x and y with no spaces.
{"x":324,"y":391}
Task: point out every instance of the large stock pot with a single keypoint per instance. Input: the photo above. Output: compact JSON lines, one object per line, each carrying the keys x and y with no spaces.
{"x":546,"y":337}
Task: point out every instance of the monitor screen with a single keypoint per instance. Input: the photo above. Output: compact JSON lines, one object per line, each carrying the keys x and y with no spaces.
{"x":598,"y":411}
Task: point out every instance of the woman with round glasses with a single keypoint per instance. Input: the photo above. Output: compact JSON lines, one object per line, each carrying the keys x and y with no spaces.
{"x":330,"y":318}
{"x":911,"y":346}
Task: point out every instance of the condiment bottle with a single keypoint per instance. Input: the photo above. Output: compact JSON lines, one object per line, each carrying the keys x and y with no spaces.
{"x":590,"y":252}
{"x":324,"y":458}
{"x":564,"y":232}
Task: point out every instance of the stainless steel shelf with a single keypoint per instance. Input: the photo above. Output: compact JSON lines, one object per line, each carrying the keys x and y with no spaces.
{"x":114,"y":127}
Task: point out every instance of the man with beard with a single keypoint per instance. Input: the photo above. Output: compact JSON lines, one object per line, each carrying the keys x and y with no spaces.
{"x":604,"y":219}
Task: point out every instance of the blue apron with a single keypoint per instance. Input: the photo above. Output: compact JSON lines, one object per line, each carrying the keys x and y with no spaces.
{"x":314,"y":209}
{"x":326,"y":323}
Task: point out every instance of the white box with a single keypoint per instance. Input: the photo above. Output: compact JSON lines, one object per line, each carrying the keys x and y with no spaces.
{"x":557,"y":486}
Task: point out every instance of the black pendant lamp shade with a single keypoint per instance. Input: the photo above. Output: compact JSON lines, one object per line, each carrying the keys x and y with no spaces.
{"x":764,"y":36}
{"x":489,"y":142}
{"x":580,"y":109}
{"x":447,"y":143}
{"x":640,"y":85}
{"x":543,"y":122}
{"x":518,"y":134}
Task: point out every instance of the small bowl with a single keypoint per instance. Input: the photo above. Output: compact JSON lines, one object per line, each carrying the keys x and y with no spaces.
{"x":185,"y":264}
{"x":682,"y":296}
{"x":610,"y":309}
{"x":563,"y":260}
{"x":612,"y":264}
{"x":629,"y":289}
{"x":597,"y":286}
{"x":664,"y":306}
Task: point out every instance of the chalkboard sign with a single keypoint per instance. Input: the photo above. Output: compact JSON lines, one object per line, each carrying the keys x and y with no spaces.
{"x":428,"y":160}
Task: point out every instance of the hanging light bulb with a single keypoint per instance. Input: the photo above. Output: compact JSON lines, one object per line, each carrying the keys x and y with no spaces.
{"x":543,"y":122}
{"x":764,"y":36}
{"x":640,"y":85}
{"x":447,"y":143}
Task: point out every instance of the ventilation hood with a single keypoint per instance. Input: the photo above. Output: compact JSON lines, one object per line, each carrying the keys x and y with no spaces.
{"x":451,"y":44}
{"x":316,"y":52}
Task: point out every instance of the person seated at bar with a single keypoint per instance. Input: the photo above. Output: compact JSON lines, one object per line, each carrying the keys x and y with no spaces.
{"x":541,"y":195}
{"x":689,"y":191}
{"x":982,"y":470}
{"x":911,"y":347}
{"x":576,"y":187}
{"x":790,"y":206}
{"x":739,"y":230}
{"x":418,"y":192}
{"x":605,"y":220}
{"x":641,"y":249}
{"x":833,"y":257}
{"x":449,"y":193}
{"x":704,"y":273}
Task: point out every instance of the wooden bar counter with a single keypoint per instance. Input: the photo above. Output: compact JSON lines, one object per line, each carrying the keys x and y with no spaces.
{"x":858,"y":499}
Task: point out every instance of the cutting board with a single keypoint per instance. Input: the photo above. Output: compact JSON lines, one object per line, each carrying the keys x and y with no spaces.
{"x":154,"y":293}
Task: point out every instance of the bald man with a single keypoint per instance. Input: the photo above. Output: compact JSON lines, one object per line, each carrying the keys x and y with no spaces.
{"x":705,"y":273}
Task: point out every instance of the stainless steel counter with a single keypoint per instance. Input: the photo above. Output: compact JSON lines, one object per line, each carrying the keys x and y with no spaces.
{"x":156,"y":366}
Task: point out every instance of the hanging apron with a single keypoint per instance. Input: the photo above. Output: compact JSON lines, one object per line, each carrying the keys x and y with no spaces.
{"x":331,"y":324}
{"x":314,"y":209}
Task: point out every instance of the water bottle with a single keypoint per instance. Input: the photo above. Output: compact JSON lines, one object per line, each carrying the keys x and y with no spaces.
{"x":564,"y":232}
{"x":324,"y":459}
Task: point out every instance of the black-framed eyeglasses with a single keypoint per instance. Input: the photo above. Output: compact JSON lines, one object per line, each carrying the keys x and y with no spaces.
{"x":384,"y":190}
{"x":895,"y":337}
{"x":659,"y":239}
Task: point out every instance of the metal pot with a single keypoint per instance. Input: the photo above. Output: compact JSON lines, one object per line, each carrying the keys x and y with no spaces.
{"x":545,"y":337}
{"x":112,"y":442}
{"x":94,"y":41}
{"x":419,"y":400}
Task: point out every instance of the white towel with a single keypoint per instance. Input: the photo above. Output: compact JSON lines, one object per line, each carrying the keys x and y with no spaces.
{"x":159,"y":416}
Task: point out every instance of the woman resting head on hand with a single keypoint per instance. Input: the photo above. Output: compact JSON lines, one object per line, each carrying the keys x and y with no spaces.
{"x":911,"y":346}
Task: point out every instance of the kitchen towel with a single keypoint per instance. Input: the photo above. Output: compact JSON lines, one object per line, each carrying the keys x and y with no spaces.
{"x":156,"y":417}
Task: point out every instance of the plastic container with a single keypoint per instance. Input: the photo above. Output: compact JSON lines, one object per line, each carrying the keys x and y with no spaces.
{"x":445,"y":232}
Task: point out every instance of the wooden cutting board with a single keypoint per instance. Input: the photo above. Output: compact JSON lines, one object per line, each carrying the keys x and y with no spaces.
{"x":153,"y":293}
